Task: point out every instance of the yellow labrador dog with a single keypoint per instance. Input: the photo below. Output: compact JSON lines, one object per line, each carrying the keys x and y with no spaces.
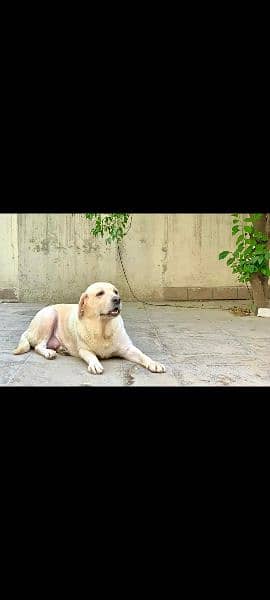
{"x":90,"y":330}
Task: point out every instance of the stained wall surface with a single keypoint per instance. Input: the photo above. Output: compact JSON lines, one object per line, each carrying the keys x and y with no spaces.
{"x":8,"y":255}
{"x":54,"y":257}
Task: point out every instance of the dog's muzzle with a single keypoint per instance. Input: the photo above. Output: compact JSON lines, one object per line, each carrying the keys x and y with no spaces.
{"x":115,"y":310}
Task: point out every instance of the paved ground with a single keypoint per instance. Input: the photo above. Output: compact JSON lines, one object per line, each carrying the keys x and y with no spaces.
{"x":199,"y":346}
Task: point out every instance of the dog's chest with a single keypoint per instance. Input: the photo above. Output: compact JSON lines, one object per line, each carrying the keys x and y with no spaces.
{"x":104,"y":349}
{"x":100,"y":345}
{"x":103,"y":339}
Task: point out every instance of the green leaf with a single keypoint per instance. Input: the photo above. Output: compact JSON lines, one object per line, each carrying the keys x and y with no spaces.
{"x":236,"y":252}
{"x":230,"y":261}
{"x":260,"y":249}
{"x":248,"y":229}
{"x":235,"y":229}
{"x":240,"y":238}
{"x":256,"y":216}
{"x":260,"y":236}
{"x":248,"y":250}
{"x":223,"y":254}
{"x":113,"y":225}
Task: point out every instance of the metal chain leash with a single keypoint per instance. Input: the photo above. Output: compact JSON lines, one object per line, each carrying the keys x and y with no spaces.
{"x":131,"y":290}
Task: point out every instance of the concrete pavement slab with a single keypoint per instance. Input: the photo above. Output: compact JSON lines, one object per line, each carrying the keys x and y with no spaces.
{"x":246,"y":374}
{"x":135,"y":376}
{"x":210,"y":343}
{"x":199,"y":346}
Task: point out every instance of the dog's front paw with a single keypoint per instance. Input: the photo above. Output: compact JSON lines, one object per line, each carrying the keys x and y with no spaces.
{"x":49,"y":354}
{"x":155,"y":367}
{"x":95,"y":368}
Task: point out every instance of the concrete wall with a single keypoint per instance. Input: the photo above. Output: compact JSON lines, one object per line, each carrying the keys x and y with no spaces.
{"x":8,"y":255}
{"x":165,"y":256}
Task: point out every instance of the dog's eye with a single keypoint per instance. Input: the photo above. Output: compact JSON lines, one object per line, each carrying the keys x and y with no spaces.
{"x":100,"y":293}
{"x":115,"y":292}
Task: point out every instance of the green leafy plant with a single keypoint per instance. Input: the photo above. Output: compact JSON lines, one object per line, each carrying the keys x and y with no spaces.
{"x":250,"y":259}
{"x":115,"y":225}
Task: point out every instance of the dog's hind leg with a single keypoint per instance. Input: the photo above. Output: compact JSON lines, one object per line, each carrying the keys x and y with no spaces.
{"x":41,"y":334}
{"x":44,"y":332}
{"x":42,"y":349}
{"x":23,"y":345}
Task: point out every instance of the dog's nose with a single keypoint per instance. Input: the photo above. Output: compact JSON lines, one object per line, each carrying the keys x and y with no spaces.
{"x":116,"y":300}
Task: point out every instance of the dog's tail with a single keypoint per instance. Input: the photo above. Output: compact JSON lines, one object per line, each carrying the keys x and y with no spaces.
{"x":23,"y":345}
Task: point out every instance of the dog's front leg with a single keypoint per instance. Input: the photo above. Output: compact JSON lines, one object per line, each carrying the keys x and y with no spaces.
{"x":135,"y":355}
{"x":90,"y":358}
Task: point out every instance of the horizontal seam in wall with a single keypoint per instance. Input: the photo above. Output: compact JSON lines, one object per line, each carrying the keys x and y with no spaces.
{"x":209,"y":293}
{"x":8,"y":294}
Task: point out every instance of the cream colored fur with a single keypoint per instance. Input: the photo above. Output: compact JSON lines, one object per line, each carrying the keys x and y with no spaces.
{"x":85,"y":330}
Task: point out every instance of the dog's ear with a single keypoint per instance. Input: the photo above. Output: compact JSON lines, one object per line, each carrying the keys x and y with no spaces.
{"x":83,"y":300}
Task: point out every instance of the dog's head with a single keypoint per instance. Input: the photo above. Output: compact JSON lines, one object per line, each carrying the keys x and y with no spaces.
{"x":100,"y":300}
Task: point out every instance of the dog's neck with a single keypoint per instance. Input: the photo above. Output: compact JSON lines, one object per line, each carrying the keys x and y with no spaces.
{"x":99,"y":327}
{"x":106,"y":328}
